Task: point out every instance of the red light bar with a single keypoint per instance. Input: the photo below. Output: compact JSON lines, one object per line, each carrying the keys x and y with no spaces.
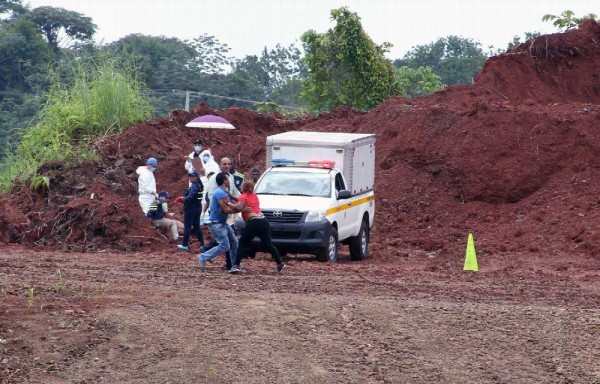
{"x":321,"y":163}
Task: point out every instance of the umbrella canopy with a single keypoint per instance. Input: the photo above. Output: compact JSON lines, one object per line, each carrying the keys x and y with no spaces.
{"x":210,"y":121}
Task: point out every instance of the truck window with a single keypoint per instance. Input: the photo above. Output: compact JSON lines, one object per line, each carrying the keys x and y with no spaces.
{"x":339,"y":182}
{"x":295,"y":183}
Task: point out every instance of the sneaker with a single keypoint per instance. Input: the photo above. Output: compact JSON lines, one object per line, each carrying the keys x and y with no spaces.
{"x":203,"y":265}
{"x":233,"y":269}
{"x":183,"y":247}
{"x":240,"y":268}
{"x":280,"y":267}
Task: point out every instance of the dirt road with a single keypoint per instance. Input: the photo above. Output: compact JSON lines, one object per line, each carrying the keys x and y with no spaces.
{"x":141,"y":318}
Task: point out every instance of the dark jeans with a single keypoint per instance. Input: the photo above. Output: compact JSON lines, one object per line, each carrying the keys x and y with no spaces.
{"x":260,"y":228}
{"x":191,"y":223}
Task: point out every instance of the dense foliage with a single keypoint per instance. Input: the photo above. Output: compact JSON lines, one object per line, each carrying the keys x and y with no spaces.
{"x":418,"y":82}
{"x":61,"y":27}
{"x":455,"y":59}
{"x":346,"y":67}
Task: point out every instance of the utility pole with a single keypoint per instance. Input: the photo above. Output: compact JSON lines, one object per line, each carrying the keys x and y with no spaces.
{"x":187,"y":100}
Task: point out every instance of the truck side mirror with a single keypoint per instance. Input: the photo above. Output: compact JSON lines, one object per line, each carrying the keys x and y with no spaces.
{"x":344,"y":194}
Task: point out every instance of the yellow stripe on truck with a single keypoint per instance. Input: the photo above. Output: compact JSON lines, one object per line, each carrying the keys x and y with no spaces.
{"x":343,"y":207}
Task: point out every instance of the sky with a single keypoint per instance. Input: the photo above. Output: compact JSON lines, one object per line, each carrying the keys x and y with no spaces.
{"x":248,"y":26}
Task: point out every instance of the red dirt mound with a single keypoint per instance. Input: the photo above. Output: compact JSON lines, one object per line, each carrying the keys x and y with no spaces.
{"x":513,"y":158}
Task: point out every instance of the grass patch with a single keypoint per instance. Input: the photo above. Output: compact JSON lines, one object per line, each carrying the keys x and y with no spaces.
{"x":104,"y":98}
{"x":30,"y":292}
{"x":59,"y":285}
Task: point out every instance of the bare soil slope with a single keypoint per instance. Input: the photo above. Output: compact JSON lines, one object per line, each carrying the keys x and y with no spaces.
{"x":512,"y":158}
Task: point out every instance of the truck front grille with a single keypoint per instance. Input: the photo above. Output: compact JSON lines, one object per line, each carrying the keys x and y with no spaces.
{"x":285,"y":235}
{"x":283,"y":216}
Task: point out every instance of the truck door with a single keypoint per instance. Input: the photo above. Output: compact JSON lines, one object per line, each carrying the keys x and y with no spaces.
{"x":348,"y":215}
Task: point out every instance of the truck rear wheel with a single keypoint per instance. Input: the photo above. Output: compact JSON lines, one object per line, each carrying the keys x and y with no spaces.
{"x":330,"y":252}
{"x":359,"y":244}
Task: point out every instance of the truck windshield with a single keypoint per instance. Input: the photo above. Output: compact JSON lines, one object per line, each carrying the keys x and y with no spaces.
{"x":295,"y":183}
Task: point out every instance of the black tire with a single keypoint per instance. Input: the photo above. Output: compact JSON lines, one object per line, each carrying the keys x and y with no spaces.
{"x":330,"y":252}
{"x":359,"y":244}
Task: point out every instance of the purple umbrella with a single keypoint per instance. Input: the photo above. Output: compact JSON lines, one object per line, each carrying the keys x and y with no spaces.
{"x":210,"y":121}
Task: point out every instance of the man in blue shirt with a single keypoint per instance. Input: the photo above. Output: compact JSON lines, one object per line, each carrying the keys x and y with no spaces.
{"x":192,"y":204}
{"x":221,"y":232}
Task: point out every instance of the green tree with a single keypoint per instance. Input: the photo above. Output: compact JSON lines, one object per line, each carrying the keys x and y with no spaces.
{"x":170,"y":66}
{"x":418,"y":82}
{"x":162,"y":62}
{"x":273,"y":68}
{"x":23,"y":52}
{"x":567,"y":19}
{"x":279,"y":71}
{"x":289,"y":94}
{"x":345,"y":67}
{"x":62,"y":27}
{"x":211,"y":56}
{"x":11,"y":8}
{"x":24,"y":59}
{"x":455,"y":59}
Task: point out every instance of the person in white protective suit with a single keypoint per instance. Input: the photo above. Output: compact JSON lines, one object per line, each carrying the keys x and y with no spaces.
{"x":209,"y":166}
{"x":147,"y":184}
{"x":212,"y":168}
{"x":208,"y":162}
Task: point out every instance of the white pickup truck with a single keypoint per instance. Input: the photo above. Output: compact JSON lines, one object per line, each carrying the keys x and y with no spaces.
{"x":319,"y":192}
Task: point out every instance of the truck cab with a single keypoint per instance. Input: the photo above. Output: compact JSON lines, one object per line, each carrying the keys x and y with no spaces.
{"x":309,"y":204}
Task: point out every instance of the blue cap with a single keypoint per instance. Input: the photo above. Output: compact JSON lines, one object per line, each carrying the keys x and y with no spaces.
{"x":152,"y":161}
{"x":193,"y":174}
{"x":164,"y":194}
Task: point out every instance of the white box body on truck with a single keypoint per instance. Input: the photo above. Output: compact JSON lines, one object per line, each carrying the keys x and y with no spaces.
{"x":319,"y":192}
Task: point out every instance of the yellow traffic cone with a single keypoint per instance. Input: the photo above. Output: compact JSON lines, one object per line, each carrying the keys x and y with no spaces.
{"x":471,"y":258}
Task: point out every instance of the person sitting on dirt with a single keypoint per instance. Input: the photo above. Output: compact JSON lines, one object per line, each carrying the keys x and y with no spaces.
{"x":221,"y":232}
{"x":147,"y":183}
{"x":192,"y":202}
{"x":255,"y":175}
{"x":257,"y":225}
{"x":157,"y":212}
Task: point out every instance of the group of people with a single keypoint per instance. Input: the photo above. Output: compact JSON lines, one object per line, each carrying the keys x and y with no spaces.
{"x":216,"y":194}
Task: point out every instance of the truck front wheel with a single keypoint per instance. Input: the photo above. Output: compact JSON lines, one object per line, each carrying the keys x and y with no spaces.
{"x":359,"y":244}
{"x":330,"y":252}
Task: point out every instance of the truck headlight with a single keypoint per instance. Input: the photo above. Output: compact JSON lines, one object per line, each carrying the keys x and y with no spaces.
{"x":315,"y":216}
